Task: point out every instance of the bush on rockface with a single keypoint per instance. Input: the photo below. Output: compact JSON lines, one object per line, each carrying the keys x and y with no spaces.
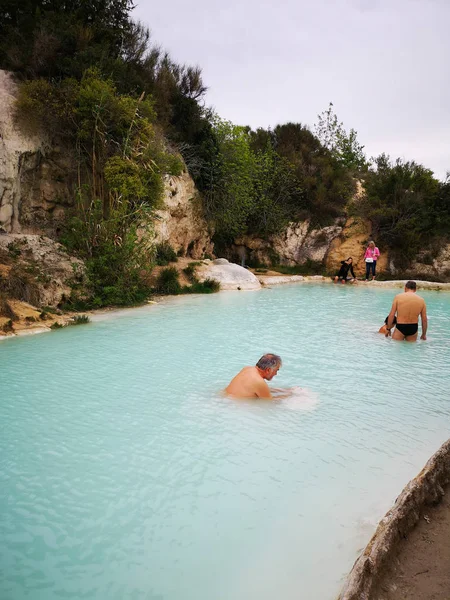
{"x":165,"y":254}
{"x":208,"y":286}
{"x":118,"y":261}
{"x":168,"y":282}
{"x":121,"y":162}
{"x":409,"y":209}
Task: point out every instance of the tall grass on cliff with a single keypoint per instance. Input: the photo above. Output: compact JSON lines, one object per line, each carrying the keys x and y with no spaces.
{"x":121,"y":159}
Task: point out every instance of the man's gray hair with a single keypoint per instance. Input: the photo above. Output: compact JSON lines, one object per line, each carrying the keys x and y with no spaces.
{"x":269,"y":361}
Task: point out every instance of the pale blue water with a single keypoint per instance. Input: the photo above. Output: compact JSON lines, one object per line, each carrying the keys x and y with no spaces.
{"x":125,"y":475}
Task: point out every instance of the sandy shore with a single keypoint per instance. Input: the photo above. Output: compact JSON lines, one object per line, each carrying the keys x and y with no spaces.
{"x":421,"y":569}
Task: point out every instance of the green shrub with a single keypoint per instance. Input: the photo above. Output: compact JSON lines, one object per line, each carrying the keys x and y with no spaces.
{"x":190,"y":271}
{"x":23,"y":283}
{"x":168,"y":282}
{"x":121,"y":162}
{"x":406,"y":206}
{"x":79,"y":320}
{"x":209,"y":286}
{"x":14,"y":249}
{"x":165,"y":254}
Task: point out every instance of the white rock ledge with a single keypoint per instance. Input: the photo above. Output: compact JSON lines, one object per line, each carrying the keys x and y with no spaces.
{"x":400,"y":283}
{"x":282,"y":279}
{"x":230,"y":276}
{"x":278,"y":280}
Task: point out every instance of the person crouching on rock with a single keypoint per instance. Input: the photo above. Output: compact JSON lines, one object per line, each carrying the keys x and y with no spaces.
{"x":346,"y":267}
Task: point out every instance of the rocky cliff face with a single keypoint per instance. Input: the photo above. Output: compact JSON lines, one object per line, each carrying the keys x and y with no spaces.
{"x":36,"y":178}
{"x":353,"y":242}
{"x":180,"y":222}
{"x":296,"y":245}
{"x":37,"y":270}
{"x":434,"y":268}
{"x":37,"y":187}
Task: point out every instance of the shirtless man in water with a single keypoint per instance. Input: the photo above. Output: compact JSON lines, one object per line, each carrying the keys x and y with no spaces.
{"x":251,"y":381}
{"x":408,"y":307}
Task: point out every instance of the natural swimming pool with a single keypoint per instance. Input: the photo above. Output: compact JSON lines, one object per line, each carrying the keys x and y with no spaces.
{"x":124,"y":474}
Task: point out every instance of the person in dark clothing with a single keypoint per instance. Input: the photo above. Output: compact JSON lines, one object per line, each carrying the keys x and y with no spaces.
{"x":346,"y":268}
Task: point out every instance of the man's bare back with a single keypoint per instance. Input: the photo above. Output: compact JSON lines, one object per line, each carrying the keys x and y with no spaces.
{"x":408,"y":307}
{"x":250,"y":382}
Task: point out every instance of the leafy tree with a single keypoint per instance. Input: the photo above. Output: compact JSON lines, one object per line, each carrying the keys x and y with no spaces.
{"x":401,"y":201}
{"x":277,"y":193}
{"x":327,"y":185}
{"x":54,"y":38}
{"x":229,"y":198}
{"x":120,"y":152}
{"x":342,"y":145}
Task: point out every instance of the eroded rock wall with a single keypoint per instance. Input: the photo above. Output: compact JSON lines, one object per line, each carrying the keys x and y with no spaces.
{"x":296,"y":245}
{"x":353,"y":242}
{"x":37,"y":270}
{"x":437,"y":267}
{"x":37,"y":179}
{"x":180,"y":222}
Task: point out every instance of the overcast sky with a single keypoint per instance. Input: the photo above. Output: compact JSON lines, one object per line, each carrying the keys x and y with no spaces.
{"x":385,"y":65}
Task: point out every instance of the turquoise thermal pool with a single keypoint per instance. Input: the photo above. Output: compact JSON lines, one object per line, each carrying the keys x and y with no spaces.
{"x":125,"y":474}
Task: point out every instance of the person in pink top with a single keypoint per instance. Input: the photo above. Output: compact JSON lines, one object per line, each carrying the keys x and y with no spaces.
{"x":370,"y":257}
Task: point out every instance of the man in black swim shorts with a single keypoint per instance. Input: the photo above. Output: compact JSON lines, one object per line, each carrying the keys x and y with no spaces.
{"x":408,"y":307}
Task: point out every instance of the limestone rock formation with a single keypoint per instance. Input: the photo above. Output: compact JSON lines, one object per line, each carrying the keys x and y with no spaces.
{"x":229,"y":275}
{"x":434,"y":267}
{"x":37,"y":270}
{"x":180,"y":222}
{"x":36,"y":178}
{"x":297,"y":244}
{"x":353,"y":242}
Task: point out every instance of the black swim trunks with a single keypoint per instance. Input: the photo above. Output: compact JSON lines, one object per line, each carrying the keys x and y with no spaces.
{"x":407,"y":328}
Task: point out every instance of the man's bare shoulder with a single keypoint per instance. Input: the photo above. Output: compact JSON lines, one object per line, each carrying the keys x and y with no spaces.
{"x":249,"y":372}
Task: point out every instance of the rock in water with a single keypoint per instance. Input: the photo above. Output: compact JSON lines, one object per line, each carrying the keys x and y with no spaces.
{"x":230,"y":276}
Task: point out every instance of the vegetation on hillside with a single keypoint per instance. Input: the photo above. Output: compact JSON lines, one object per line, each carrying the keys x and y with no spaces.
{"x":408,"y":208}
{"x":94,"y":79}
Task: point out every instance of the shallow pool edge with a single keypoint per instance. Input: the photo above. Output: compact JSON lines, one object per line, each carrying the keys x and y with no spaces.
{"x":266,"y":282}
{"x":426,"y":489}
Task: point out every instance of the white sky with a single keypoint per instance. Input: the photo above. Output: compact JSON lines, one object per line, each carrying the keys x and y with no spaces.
{"x":385,"y":65}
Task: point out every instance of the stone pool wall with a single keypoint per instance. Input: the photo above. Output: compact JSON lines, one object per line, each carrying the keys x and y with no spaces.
{"x":422,"y":491}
